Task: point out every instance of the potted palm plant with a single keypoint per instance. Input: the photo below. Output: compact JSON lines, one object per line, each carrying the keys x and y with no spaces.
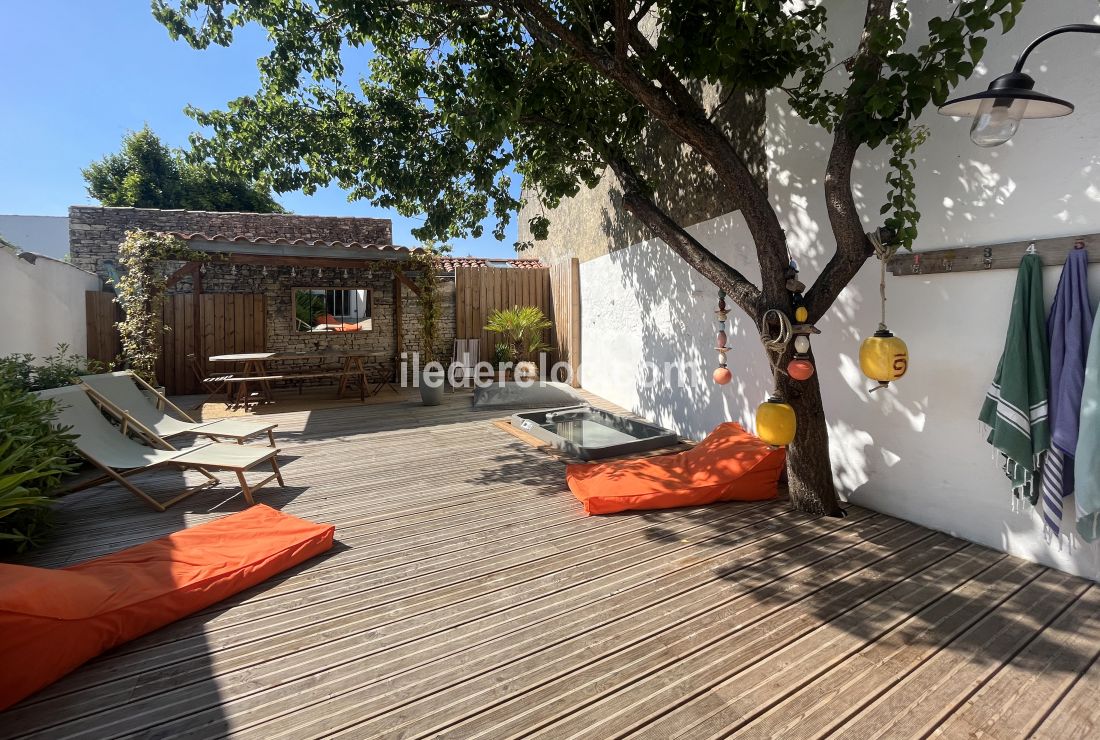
{"x":521,"y":328}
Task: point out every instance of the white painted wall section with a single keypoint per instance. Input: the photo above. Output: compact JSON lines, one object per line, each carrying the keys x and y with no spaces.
{"x":915,"y":450}
{"x":42,"y":305}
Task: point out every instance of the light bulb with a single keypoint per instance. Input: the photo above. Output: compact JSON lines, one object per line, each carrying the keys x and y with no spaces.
{"x":997,"y":120}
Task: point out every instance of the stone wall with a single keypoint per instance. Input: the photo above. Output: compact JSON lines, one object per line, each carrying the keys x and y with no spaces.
{"x":95,"y":232}
{"x":277,"y":284}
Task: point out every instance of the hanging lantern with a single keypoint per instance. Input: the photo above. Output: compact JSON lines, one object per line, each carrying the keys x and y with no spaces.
{"x":800,"y":369}
{"x":775,"y":422}
{"x":883,"y":357}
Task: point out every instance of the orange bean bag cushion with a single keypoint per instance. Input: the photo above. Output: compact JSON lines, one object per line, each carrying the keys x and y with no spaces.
{"x":52,"y":621}
{"x":729,"y":465}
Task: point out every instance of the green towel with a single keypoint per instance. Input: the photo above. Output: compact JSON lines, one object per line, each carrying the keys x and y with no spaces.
{"x":1015,"y":408}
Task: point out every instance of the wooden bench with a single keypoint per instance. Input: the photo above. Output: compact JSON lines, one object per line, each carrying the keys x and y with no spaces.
{"x":241,"y":396}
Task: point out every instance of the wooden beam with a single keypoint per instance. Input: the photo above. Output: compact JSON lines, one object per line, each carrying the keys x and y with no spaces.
{"x":288,"y":261}
{"x":408,"y":283}
{"x":188,"y":269}
{"x":1004,"y":256}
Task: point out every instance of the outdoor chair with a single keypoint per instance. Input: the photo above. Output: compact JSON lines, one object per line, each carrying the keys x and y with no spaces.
{"x":119,"y":456}
{"x":467,"y":352}
{"x":214,"y":385}
{"x":119,"y":392}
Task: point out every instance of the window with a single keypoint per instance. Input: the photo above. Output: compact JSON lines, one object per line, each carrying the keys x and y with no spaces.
{"x":332,"y":309}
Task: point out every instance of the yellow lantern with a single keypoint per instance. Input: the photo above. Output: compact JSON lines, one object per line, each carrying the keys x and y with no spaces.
{"x":775,"y":422}
{"x":883,"y":357}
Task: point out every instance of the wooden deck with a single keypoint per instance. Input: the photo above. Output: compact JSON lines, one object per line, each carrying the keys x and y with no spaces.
{"x":469,"y":597}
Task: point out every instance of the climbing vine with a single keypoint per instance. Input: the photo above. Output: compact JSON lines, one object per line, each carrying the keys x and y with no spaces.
{"x":140,"y":289}
{"x":431,"y":305}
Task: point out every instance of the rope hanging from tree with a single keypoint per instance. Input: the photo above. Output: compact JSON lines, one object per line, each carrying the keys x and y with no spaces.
{"x":883,"y":357}
{"x":778,"y":342}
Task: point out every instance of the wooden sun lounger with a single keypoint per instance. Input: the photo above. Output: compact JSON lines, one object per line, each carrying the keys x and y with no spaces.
{"x":119,"y":456}
{"x":120,"y":395}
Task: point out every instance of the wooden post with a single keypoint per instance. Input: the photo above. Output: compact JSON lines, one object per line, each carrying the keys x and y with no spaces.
{"x":398,"y":329}
{"x":196,"y":315}
{"x":575,"y":320}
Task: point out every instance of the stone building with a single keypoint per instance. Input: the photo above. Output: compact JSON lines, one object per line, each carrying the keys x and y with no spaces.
{"x":273,"y":255}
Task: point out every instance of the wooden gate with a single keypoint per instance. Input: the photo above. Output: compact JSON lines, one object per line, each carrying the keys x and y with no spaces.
{"x":220,"y":323}
{"x":481,"y":290}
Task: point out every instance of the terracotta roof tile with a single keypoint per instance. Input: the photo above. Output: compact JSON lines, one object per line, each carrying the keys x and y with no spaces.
{"x":450,"y":263}
{"x":269,"y":240}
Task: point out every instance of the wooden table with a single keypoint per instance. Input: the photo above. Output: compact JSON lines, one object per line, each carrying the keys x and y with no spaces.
{"x":254,"y":368}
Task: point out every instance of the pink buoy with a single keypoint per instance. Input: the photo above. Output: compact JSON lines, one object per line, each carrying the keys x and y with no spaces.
{"x":722,"y":375}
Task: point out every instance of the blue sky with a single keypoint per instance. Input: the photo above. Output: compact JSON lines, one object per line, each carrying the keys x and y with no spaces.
{"x":75,"y":75}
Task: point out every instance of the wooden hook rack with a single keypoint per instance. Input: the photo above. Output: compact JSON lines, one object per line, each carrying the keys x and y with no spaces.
{"x":1005,"y":256}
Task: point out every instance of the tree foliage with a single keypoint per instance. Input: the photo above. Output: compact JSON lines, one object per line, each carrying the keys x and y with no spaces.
{"x":456,"y":94}
{"x":145,"y":173}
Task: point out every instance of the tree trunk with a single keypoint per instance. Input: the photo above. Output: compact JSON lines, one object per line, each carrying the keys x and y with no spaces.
{"x":809,"y":471}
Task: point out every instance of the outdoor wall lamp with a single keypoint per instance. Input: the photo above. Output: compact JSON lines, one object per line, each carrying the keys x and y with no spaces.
{"x":997,"y":112}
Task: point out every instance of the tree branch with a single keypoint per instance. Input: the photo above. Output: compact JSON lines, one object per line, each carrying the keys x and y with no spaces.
{"x":679,"y":112}
{"x":852,"y":245}
{"x":639,"y":204}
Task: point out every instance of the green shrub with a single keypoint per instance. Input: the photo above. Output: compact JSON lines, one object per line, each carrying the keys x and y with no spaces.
{"x":34,"y":454}
{"x":55,"y":371}
{"x":521,"y":327}
{"x":503,"y":353}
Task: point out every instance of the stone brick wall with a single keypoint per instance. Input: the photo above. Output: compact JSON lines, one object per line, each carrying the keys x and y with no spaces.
{"x":95,"y":232}
{"x":278,"y":284}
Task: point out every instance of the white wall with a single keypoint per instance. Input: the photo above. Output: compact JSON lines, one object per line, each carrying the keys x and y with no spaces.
{"x":41,"y":305}
{"x":915,"y":450}
{"x":48,"y":235}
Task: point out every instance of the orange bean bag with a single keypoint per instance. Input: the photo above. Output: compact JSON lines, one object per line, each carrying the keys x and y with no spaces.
{"x":52,"y":621}
{"x":729,"y":465}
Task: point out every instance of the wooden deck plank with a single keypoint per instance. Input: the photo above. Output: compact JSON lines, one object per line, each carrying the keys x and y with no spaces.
{"x":471,"y":597}
{"x":1022,"y":693}
{"x":720,"y":608}
{"x":160,"y":666}
{"x":836,"y":683}
{"x":876,"y":591}
{"x":1077,"y":713}
{"x":917,"y":704}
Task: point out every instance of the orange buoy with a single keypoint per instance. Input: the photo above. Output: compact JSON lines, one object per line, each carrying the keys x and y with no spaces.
{"x":800,"y":369}
{"x":722,"y":375}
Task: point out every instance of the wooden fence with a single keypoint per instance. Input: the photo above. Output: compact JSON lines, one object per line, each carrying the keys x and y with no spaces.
{"x":565,"y":289}
{"x":481,"y":290}
{"x":221,"y":323}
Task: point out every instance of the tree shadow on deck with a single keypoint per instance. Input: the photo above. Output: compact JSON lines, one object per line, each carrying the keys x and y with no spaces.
{"x":877,"y":584}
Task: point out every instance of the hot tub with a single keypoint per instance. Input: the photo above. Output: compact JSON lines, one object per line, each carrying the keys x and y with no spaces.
{"x":590,"y":433}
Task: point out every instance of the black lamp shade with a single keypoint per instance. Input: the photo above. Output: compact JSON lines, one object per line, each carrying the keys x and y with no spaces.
{"x":1005,"y":90}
